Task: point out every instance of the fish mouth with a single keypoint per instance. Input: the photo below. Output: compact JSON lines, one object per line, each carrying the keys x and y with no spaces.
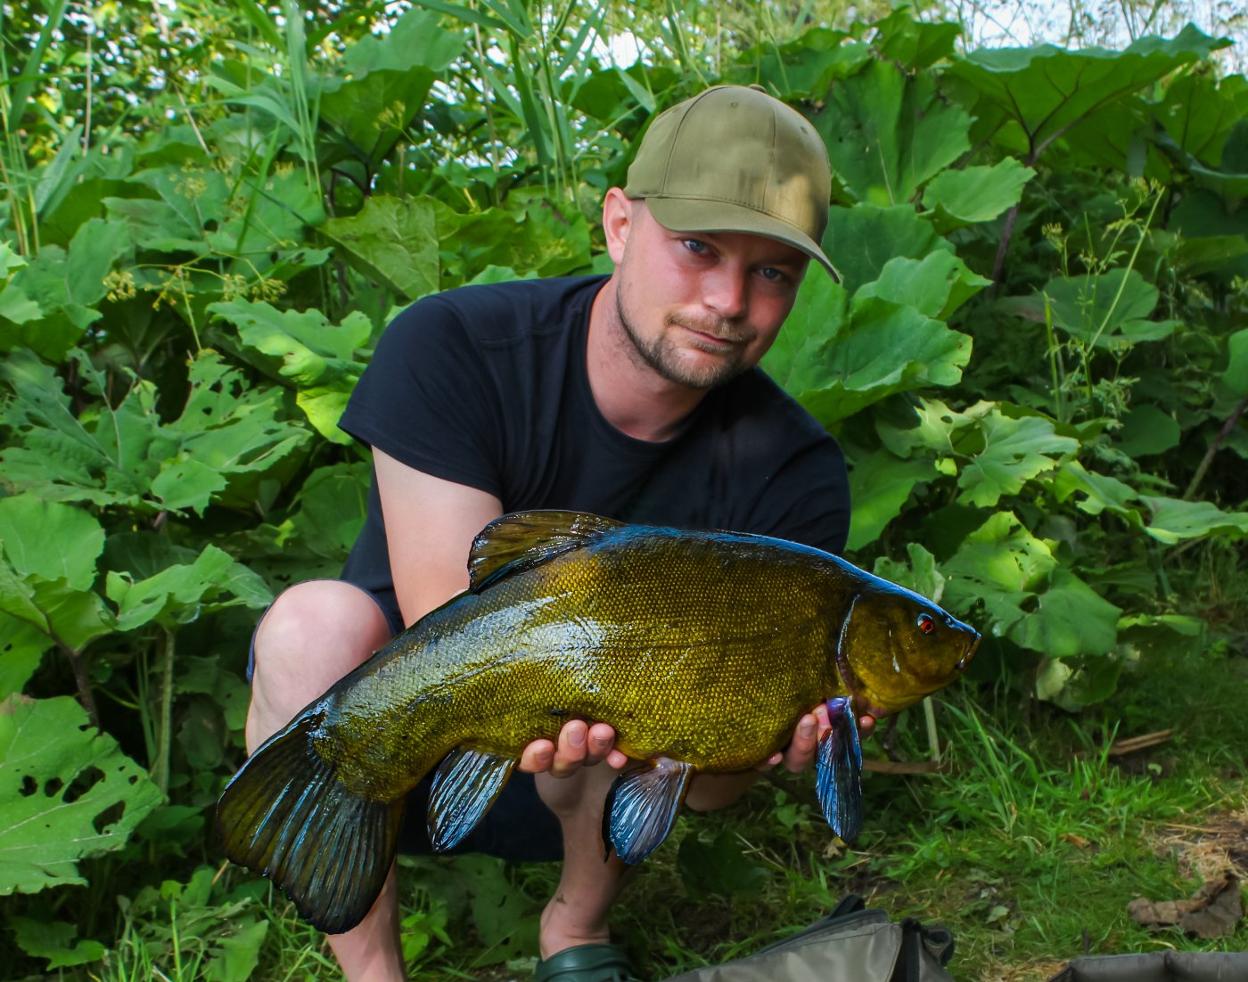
{"x":971,"y":648}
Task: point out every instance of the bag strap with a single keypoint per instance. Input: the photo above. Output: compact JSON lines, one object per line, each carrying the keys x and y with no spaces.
{"x":915,"y":939}
{"x":851,"y":903}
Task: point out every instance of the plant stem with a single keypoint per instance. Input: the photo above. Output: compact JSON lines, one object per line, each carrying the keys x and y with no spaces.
{"x":160,"y":764}
{"x":1223,"y":433}
{"x":933,"y":738}
{"x":83,"y":682}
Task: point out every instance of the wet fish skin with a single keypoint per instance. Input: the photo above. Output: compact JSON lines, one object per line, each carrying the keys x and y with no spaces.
{"x":698,"y":647}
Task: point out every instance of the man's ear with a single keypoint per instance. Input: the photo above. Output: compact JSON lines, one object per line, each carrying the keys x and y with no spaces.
{"x":617,"y":222}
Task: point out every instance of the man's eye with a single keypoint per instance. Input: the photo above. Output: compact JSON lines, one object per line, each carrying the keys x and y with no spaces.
{"x":696,"y":246}
{"x":773,"y":274}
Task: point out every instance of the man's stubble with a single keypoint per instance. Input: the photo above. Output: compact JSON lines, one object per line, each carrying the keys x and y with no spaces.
{"x":662,"y":356}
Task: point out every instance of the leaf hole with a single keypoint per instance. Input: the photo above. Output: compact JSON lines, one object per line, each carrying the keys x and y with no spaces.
{"x":52,"y":785}
{"x":216,"y":386}
{"x":207,"y":410}
{"x":108,"y":817}
{"x":29,"y":786}
{"x":83,"y":783}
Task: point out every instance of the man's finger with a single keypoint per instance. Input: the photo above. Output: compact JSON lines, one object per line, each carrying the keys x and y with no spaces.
{"x":866,"y":726}
{"x":571,"y":749}
{"x":601,"y":742}
{"x":805,"y":738}
{"x":537,"y":757}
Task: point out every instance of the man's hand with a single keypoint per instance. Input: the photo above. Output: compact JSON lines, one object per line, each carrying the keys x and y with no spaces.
{"x":800,"y":752}
{"x":580,"y":745}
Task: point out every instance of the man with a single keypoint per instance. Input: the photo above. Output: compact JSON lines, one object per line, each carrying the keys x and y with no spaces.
{"x":634,"y":396}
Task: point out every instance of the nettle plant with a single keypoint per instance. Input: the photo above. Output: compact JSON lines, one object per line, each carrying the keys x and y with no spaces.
{"x":1036,"y":359}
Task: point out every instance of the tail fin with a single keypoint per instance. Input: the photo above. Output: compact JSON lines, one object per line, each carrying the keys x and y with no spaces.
{"x":284,"y":814}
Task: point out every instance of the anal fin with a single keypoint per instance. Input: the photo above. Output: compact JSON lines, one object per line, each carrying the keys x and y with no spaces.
{"x":466,"y":784}
{"x":642,"y":806}
{"x":838,"y":770}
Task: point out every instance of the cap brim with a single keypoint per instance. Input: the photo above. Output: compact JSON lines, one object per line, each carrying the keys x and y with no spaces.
{"x":701,"y":215}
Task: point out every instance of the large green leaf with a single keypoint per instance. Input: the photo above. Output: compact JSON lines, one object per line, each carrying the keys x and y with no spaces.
{"x":802,"y":68}
{"x":22,"y":646}
{"x":48,"y":303}
{"x":921,"y":574}
{"x":47,"y":567}
{"x":1098,"y":492}
{"x":888,"y":133}
{"x":1070,"y":619}
{"x":879,"y":485}
{"x":55,"y":941}
{"x":314,"y":356}
{"x":1173,"y":520}
{"x":1235,"y":377}
{"x":976,"y":194}
{"x":178,"y":594}
{"x":1107,"y":309}
{"x":66,"y":793}
{"x":50,"y":540}
{"x":396,"y":240}
{"x":863,"y":239}
{"x":227,"y":427}
{"x":1000,"y":564}
{"x":1199,"y":110}
{"x":885,"y":348}
{"x":1015,"y":451}
{"x":1146,"y":430}
{"x":1032,"y":96}
{"x":903,"y":39}
{"x":936,"y":285}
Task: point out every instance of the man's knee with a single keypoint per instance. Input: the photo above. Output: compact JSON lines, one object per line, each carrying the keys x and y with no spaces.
{"x":315,"y":633}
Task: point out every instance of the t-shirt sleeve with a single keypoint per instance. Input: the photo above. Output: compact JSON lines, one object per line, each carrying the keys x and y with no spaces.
{"x":427,"y":400}
{"x":807,"y":499}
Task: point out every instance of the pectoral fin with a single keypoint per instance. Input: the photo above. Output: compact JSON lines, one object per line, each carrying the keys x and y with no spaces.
{"x":838,"y":771}
{"x":466,"y":784}
{"x":642,"y":807}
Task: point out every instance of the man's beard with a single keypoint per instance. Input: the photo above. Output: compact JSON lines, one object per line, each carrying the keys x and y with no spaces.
{"x":663,"y":356}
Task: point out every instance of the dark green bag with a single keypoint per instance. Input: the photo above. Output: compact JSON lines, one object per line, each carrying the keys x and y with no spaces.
{"x":850,"y":943}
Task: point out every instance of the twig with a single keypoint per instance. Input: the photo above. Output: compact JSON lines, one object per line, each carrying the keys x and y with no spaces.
{"x":1223,"y":433}
{"x":1120,"y":748}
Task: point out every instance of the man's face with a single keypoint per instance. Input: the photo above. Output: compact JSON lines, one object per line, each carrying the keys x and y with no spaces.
{"x":700,"y":307}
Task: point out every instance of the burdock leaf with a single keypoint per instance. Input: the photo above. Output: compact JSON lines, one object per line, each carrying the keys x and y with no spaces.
{"x":1037,"y":94}
{"x":394,"y":239}
{"x":1174,"y":520}
{"x":1236,"y":376}
{"x":304,"y":349}
{"x":1106,"y":309}
{"x":21,"y":649}
{"x":1015,"y":451}
{"x":55,"y":942}
{"x":178,"y":593}
{"x":888,"y":133}
{"x":862,"y":240}
{"x":886,"y":348}
{"x":66,"y":793}
{"x":936,"y":285}
{"x":1070,"y":619}
{"x":921,"y":575}
{"x":50,"y":540}
{"x":231,"y":428}
{"x":879,"y":485}
{"x":1000,"y":564}
{"x":976,"y":194}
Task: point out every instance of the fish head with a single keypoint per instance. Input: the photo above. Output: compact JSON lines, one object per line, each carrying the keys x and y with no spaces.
{"x":896,"y":647}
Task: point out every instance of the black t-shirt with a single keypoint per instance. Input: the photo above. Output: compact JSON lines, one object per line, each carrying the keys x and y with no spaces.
{"x":487,"y":386}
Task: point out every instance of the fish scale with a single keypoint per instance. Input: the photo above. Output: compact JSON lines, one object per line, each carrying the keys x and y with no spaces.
{"x":701,"y":649}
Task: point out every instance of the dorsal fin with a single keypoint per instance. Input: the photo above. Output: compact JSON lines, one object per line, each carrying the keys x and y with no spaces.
{"x":524,"y":539}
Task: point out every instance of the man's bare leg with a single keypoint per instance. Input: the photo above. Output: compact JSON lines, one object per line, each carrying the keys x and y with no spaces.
{"x":313,"y":635}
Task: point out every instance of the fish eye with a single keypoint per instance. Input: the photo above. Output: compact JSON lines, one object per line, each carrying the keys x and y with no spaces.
{"x":926,"y":623}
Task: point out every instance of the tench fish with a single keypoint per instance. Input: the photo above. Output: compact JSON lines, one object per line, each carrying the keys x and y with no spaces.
{"x":701,"y":648}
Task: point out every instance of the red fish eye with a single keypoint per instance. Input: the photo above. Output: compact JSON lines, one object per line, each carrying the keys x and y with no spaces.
{"x":927,"y":623}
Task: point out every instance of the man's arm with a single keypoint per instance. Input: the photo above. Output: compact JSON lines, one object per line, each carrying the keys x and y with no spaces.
{"x":430,"y":525}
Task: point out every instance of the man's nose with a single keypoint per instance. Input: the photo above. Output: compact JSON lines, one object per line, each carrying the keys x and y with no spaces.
{"x":725,"y":291}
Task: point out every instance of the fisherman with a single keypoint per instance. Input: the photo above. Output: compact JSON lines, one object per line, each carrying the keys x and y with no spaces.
{"x":634,"y":396}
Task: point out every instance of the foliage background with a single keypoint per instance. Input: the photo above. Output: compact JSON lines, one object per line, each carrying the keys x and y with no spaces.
{"x":1037,"y":363}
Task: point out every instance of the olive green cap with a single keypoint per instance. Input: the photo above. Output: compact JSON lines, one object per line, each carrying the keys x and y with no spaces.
{"x":734,"y":159}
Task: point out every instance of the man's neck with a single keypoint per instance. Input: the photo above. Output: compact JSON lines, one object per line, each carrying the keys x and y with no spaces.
{"x":631,"y":395}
